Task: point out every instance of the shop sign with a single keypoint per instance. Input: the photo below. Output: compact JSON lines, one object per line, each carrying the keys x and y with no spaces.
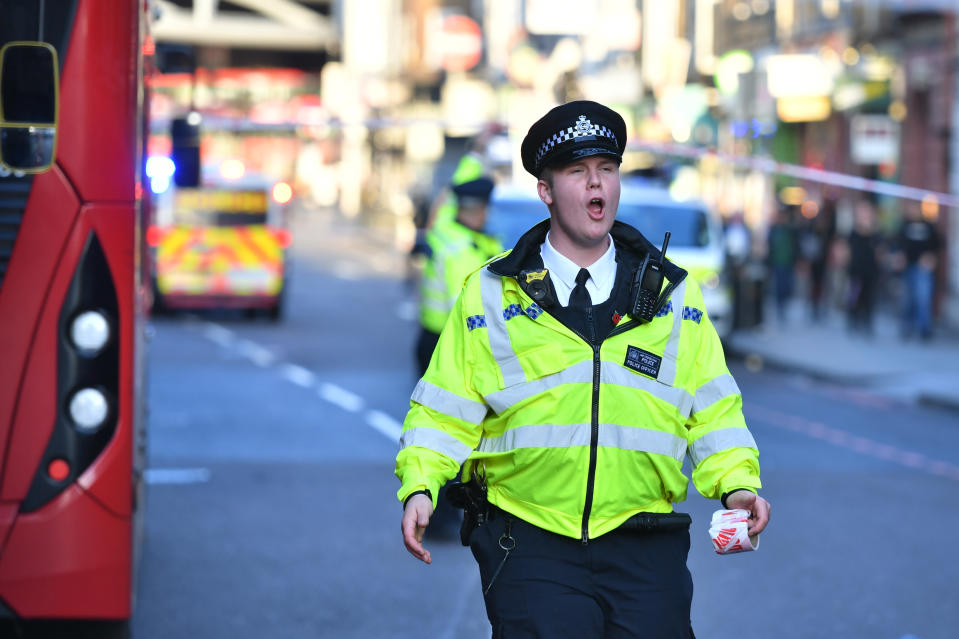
{"x":873,"y":139}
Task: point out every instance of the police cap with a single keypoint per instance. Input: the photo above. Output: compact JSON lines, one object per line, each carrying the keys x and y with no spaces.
{"x":478,"y":190}
{"x":573,"y":131}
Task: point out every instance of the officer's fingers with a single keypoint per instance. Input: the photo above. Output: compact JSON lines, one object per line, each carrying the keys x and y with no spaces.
{"x":413,"y":536}
{"x":760,"y":516}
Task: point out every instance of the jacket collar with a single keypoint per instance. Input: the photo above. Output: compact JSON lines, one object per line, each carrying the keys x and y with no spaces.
{"x":631,"y":248}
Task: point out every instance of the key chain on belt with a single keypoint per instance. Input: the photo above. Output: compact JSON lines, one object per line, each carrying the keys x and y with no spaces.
{"x":507,"y":543}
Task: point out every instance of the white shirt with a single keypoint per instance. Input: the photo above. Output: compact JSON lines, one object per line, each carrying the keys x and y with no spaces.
{"x":563,"y":271}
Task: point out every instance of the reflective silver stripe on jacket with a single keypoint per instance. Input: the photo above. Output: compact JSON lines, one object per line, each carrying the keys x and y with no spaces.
{"x":508,"y":397}
{"x":582,"y":373}
{"x":714,"y":390}
{"x":718,"y":441}
{"x":451,"y":404}
{"x":620,"y":376}
{"x":643,"y":440}
{"x":667,"y":370}
{"x":492,"y":292}
{"x":436,"y":440}
{"x":566,"y":436}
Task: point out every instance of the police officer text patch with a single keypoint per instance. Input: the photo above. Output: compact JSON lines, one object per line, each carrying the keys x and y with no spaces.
{"x":642,"y":361}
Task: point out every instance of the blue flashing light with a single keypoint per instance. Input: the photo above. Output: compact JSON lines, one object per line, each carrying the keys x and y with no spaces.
{"x":160,"y":166}
{"x":159,"y":184}
{"x":160,"y":169}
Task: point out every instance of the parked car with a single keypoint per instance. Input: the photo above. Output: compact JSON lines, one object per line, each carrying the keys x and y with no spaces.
{"x":696,"y":241}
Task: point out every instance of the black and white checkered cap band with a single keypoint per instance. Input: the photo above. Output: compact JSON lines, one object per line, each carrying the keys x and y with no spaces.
{"x":570,"y":133}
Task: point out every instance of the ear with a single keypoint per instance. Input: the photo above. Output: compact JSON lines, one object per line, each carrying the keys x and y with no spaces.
{"x":545,"y":193}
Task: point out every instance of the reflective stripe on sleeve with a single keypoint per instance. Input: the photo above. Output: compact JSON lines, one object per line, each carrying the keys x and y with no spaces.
{"x":667,"y":370}
{"x":447,"y":403}
{"x":437,"y":441}
{"x":678,"y":397}
{"x":492,"y":292}
{"x":571,"y":435}
{"x":508,"y":397}
{"x":718,"y":441}
{"x":714,"y":390}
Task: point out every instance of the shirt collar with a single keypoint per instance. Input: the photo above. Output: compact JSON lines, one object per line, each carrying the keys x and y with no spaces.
{"x":602,"y":271}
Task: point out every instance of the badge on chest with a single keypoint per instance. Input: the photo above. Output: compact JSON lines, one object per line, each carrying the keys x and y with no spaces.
{"x":643,"y":361}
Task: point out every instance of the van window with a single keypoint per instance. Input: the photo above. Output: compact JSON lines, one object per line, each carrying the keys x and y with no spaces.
{"x":688,"y":225}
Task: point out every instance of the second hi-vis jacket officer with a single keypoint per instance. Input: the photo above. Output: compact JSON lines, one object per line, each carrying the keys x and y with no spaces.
{"x":575,"y":396}
{"x":457,"y":247}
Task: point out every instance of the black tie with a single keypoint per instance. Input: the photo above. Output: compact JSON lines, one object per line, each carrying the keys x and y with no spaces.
{"x":579,"y":298}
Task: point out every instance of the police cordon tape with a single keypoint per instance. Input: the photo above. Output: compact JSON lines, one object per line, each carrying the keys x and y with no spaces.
{"x":768,"y":165}
{"x":764,"y":164}
{"x":758,"y":163}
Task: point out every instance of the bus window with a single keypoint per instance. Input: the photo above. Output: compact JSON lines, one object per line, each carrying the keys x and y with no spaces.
{"x":28,"y":106}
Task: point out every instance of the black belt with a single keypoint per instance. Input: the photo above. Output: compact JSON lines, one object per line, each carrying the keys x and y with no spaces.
{"x":640,"y":522}
{"x":654,"y":522}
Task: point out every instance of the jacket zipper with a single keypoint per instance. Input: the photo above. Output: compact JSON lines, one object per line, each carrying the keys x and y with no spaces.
{"x":594,"y":428}
{"x":594,"y":417}
{"x":594,"y":412}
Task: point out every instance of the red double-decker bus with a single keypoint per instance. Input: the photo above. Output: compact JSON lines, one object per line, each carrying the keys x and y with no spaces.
{"x":71,"y":309}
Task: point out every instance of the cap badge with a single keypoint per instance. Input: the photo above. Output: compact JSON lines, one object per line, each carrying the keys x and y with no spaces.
{"x":584,"y":126}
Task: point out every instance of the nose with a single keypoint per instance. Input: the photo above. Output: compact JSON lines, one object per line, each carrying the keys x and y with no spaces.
{"x":592,"y":175}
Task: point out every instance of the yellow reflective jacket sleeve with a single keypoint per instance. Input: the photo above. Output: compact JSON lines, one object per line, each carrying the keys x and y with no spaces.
{"x":723,"y":453}
{"x":444,"y":423}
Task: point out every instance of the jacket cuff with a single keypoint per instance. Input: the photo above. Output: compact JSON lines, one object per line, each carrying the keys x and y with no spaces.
{"x":417,"y":492}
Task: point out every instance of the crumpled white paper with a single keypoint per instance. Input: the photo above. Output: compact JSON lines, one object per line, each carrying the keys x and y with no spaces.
{"x":729,"y":532}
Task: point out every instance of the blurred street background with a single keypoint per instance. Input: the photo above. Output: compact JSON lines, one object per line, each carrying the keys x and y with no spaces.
{"x":822,"y":138}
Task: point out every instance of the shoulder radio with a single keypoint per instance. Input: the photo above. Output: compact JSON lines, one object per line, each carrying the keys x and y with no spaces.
{"x":647,"y":284}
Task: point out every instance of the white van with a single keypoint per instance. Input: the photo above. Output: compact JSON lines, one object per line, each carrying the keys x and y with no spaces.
{"x":696,"y":241}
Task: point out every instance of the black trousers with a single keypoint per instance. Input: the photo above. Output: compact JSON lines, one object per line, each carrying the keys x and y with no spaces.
{"x":624,"y":584}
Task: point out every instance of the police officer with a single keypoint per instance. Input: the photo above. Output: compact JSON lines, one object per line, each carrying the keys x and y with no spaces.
{"x":575,"y":374}
{"x":456,"y":247}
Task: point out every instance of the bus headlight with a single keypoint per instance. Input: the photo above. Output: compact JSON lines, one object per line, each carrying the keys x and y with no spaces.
{"x":90,"y":331}
{"x":89,"y":409}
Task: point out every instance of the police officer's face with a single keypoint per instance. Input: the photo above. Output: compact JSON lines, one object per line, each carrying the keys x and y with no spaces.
{"x":583,"y":198}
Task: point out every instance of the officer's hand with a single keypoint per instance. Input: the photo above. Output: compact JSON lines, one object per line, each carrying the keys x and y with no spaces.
{"x":416,"y":516}
{"x":757,"y":506}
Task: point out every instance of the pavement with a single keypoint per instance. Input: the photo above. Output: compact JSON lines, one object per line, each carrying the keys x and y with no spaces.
{"x":925,"y":372}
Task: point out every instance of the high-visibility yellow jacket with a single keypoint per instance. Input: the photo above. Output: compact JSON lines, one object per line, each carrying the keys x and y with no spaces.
{"x":570,"y":437}
{"x":455,"y":252}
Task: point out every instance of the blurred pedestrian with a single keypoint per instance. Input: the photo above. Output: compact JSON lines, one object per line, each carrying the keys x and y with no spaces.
{"x":454,"y":249}
{"x":814,"y":245}
{"x":737,"y":242}
{"x":783,"y":249}
{"x":862,"y":268}
{"x":918,"y":255}
{"x":552,"y":384}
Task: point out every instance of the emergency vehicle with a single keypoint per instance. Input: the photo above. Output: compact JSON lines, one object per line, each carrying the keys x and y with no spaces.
{"x":222,"y":244}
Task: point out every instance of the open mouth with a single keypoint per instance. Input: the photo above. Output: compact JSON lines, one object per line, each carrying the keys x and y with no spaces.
{"x":595,"y":207}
